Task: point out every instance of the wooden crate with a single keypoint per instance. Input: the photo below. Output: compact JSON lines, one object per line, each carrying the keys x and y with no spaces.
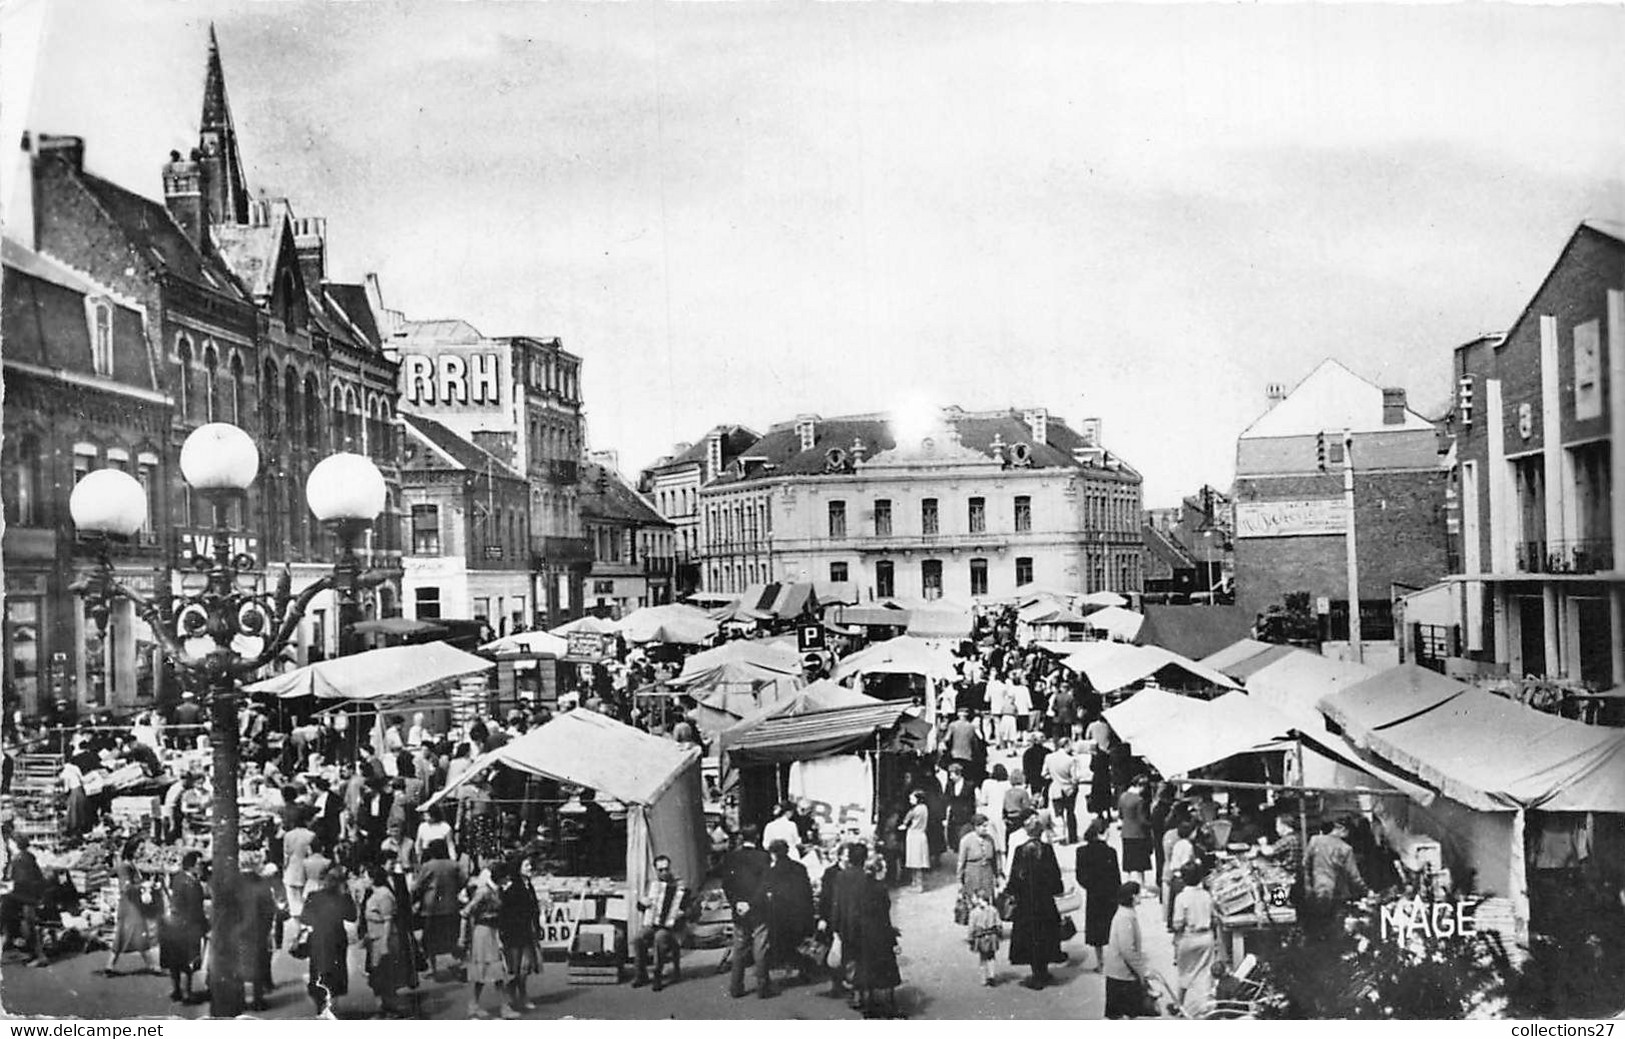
{"x":581,"y":974}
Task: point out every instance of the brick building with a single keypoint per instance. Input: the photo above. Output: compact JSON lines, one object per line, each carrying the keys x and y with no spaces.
{"x":673,"y":484}
{"x":468,"y":553}
{"x":634,"y":546}
{"x":1537,"y":424}
{"x":518,"y":397}
{"x":1289,"y":505}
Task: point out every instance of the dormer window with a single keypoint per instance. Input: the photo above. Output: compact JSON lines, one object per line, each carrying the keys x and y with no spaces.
{"x":101,"y":335}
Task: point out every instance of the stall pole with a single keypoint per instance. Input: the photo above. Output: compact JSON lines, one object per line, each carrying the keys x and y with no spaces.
{"x":1303,"y":793}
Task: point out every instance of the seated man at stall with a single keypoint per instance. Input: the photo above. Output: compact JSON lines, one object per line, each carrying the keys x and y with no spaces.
{"x":664,"y":911}
{"x":20,"y":907}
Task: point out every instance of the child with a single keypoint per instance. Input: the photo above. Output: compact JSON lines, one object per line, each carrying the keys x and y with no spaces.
{"x":986,"y":934}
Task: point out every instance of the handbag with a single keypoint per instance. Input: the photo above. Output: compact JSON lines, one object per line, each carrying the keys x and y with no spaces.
{"x":1069,"y":901}
{"x":301,"y":945}
{"x":1069,"y":929}
{"x":815,"y":947}
{"x":1007,"y":906}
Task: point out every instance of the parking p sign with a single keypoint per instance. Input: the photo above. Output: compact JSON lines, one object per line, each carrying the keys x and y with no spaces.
{"x":810,"y":637}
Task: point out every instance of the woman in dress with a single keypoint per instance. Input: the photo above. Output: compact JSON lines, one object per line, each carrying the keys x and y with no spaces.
{"x":482,"y":920}
{"x":76,"y":815}
{"x":140,"y":908}
{"x":916,"y":841}
{"x":1035,"y":926}
{"x":990,"y":801}
{"x":324,"y":916}
{"x":1100,"y":880}
{"x":874,"y":941}
{"x":1193,"y":941}
{"x":389,"y":954}
{"x":980,"y":868}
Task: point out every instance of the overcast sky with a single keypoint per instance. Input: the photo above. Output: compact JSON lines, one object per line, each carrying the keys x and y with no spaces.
{"x":740,"y":212}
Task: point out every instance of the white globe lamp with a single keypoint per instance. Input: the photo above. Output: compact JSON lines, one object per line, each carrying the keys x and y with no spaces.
{"x":108,"y":501}
{"x":345,"y":488}
{"x":219,"y":457}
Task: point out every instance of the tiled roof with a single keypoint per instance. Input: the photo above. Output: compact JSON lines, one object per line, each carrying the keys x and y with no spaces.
{"x":463,"y":454}
{"x":450,"y":330}
{"x":352,"y":302}
{"x":602,"y":494}
{"x":781,"y":449}
{"x":149,"y":228}
{"x":1166,"y":549}
{"x":736,"y":440}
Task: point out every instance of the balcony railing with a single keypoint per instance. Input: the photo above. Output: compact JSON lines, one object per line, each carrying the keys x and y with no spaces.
{"x":1585,"y":556}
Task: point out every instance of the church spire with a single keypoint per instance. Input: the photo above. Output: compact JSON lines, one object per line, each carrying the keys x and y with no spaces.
{"x":217,"y":141}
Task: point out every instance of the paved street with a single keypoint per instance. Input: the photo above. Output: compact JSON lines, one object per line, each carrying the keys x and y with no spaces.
{"x":941,"y":980}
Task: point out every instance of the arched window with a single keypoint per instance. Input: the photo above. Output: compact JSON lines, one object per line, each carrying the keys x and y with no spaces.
{"x":313,"y":413}
{"x":183,"y":354}
{"x":101,"y":337}
{"x":352,"y":422}
{"x":23,"y":505}
{"x":211,"y":366}
{"x":290,"y":407}
{"x":340,"y":433}
{"x":269,"y":402}
{"x":235,"y":390}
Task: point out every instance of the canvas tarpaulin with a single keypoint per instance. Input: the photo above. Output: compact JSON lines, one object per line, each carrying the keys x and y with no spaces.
{"x":378,"y":675}
{"x":1494,"y":754}
{"x":1234,"y":653}
{"x":822,"y":719}
{"x":672,"y":623}
{"x":529,"y":642}
{"x":1293,"y":684}
{"x":1179,"y":733}
{"x":657,"y":780}
{"x":742,"y":660}
{"x":1116,"y":622}
{"x":1110,"y":667}
{"x":1389,"y":697}
{"x":904,"y":655}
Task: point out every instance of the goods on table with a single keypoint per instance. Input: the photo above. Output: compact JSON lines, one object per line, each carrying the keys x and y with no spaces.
{"x":1252,"y":887}
{"x":36,"y":806}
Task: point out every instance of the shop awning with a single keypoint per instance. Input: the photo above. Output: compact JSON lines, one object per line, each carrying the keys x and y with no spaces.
{"x":824,"y":718}
{"x":1235,"y":653}
{"x":1294,"y":684}
{"x":1112,"y":666}
{"x":904,"y":655}
{"x":867,"y":616}
{"x":672,"y":623}
{"x":529,"y":642}
{"x":376,"y":676}
{"x":1483,"y":750}
{"x":1388,"y":698}
{"x":1116,"y":622}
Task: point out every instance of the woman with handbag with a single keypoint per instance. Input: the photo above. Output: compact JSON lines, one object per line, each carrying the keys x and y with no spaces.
{"x":1035,"y":932}
{"x":1126,"y":962}
{"x":875,"y":943}
{"x":486,"y":963}
{"x":979,"y":868}
{"x":388,"y":961}
{"x":916,"y":840}
{"x":1100,"y":879}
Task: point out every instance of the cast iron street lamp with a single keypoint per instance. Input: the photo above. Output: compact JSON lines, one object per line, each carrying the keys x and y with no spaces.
{"x":222,"y":603}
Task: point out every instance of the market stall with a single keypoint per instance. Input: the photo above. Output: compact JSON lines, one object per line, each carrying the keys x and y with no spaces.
{"x":1115,"y":622}
{"x":672,"y":623}
{"x":1112,"y":666}
{"x":907,"y":655}
{"x":657,"y":780}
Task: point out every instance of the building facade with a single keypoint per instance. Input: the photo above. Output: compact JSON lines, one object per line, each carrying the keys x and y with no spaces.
{"x":979,"y":504}
{"x":673,"y":485}
{"x":1290,"y":518}
{"x":1537,"y":424}
{"x":82,"y":392}
{"x":468,"y":548}
{"x":634,"y":546}
{"x":519,"y":398}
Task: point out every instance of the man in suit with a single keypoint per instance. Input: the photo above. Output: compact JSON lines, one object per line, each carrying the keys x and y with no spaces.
{"x":744,"y":871}
{"x":326,"y":824}
{"x":787,"y":897}
{"x":373,"y":823}
{"x":1032,"y":766}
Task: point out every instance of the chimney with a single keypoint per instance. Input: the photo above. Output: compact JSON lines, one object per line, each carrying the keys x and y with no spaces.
{"x":1393,"y":406}
{"x":680,"y":448}
{"x":996,"y":448}
{"x":70,"y":150}
{"x":19,"y":206}
{"x":858,"y":451}
{"x":310,"y":245}
{"x":1037,"y":420}
{"x":713,"y":455}
{"x":1275,"y":393}
{"x":1090,"y":432}
{"x":183,"y":196}
{"x":807,"y":431}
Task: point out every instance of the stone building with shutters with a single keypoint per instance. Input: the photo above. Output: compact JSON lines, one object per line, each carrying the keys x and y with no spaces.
{"x":973,"y":505}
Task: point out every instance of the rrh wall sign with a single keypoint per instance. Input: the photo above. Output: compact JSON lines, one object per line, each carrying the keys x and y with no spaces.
{"x":452,"y":378}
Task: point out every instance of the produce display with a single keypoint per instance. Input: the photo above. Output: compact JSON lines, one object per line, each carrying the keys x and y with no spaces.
{"x":1252,"y":887}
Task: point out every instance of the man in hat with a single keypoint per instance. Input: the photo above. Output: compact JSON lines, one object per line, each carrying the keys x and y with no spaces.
{"x":663,"y":908}
{"x":187,"y":717}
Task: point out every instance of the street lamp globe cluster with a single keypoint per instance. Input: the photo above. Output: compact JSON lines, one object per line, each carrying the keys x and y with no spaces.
{"x":223,"y":603}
